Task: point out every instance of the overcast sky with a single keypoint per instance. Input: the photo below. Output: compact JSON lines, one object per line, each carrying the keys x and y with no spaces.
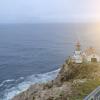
{"x":49,"y":10}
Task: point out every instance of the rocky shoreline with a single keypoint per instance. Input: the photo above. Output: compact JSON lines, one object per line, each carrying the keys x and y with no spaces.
{"x":73,"y":82}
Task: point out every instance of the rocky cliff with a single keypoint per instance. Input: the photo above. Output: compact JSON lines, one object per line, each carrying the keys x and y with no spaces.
{"x":74,"y":82}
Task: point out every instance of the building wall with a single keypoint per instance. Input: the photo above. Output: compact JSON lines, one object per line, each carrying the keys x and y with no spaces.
{"x":78,"y":59}
{"x":93,"y":56}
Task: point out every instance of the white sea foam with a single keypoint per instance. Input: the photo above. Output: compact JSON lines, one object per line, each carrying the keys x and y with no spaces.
{"x":6,"y":81}
{"x":10,"y":93}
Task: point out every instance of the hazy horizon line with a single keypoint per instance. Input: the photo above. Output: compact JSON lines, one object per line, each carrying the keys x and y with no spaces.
{"x":49,"y":22}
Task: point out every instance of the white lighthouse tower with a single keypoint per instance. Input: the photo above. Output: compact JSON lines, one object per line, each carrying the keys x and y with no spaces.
{"x":77,"y":57}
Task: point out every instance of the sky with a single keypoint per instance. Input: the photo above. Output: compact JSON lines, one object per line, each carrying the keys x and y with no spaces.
{"x":16,"y":11}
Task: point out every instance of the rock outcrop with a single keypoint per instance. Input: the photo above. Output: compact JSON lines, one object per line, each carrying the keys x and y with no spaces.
{"x":72,"y":83}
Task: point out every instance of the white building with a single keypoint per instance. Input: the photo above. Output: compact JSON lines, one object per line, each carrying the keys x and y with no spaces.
{"x":77,"y":57}
{"x":91,"y":55}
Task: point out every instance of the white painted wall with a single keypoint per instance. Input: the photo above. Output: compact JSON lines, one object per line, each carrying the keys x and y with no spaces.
{"x":93,"y":56}
{"x":78,"y":57}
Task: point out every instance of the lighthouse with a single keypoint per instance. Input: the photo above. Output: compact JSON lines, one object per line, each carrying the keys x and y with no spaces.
{"x":77,"y":57}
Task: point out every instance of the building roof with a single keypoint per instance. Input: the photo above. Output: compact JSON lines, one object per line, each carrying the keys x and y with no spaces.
{"x":90,"y":51}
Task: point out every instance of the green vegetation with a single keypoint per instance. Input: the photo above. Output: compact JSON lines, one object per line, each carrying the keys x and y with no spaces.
{"x":83,"y":89}
{"x":88,"y":71}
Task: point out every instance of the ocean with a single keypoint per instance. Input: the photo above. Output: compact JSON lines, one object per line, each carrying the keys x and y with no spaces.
{"x":33,"y":53}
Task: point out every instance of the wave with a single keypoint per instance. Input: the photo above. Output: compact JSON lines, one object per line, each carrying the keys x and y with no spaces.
{"x":25,"y":84}
{"x":6,"y":81}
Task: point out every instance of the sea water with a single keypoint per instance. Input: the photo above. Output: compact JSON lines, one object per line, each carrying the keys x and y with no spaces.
{"x":33,"y":53}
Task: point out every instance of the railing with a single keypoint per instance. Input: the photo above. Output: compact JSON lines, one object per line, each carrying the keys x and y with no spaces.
{"x":95,"y":95}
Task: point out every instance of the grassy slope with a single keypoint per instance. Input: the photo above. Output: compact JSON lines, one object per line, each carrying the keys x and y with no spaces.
{"x":91,"y":73}
{"x":82,"y":90}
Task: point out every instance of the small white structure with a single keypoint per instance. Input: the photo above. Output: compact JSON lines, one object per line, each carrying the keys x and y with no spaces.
{"x":77,"y":57}
{"x":91,"y":56}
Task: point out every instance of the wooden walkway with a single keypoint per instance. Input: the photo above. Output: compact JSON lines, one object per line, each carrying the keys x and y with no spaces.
{"x":95,"y":95}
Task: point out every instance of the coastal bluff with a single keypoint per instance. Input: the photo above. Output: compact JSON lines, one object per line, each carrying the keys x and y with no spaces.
{"x":73,"y":82}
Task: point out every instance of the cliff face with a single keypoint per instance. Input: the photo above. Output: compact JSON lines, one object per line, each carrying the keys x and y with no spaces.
{"x":73,"y":82}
